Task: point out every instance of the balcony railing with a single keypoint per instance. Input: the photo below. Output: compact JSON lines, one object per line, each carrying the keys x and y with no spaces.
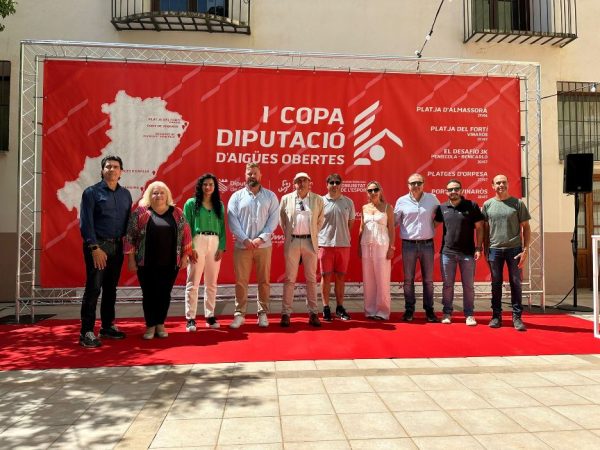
{"x":551,"y":22}
{"x":214,"y":16}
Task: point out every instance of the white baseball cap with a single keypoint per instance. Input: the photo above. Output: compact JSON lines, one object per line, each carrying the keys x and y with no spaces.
{"x":301,"y":175}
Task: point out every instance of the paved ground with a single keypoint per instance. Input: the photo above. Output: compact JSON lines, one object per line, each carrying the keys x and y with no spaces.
{"x":511,"y":402}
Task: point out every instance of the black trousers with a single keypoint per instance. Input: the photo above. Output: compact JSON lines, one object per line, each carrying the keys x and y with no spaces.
{"x":98,"y":281}
{"x":156,"y":283}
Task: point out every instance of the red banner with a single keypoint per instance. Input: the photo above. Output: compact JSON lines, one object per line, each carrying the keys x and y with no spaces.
{"x":175,"y":122}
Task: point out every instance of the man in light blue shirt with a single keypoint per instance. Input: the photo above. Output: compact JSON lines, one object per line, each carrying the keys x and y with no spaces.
{"x":414,"y":213}
{"x":252,"y":213}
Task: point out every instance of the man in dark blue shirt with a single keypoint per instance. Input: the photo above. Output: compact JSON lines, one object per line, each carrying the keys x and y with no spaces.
{"x":462,"y":221}
{"x":104,"y":213}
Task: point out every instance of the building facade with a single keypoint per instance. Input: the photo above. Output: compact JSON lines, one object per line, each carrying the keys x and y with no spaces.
{"x":557,"y":34}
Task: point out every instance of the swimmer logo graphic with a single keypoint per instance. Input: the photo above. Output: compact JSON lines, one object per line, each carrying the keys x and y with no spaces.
{"x":368,"y":149}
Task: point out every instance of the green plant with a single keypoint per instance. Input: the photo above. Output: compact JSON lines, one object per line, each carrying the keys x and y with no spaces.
{"x":7,"y":7}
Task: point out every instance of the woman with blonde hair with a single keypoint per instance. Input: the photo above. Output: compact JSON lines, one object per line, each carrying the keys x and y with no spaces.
{"x":376,"y":237}
{"x":158,"y":243}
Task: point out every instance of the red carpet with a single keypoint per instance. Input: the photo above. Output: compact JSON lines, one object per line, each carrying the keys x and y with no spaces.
{"x":52,"y":344}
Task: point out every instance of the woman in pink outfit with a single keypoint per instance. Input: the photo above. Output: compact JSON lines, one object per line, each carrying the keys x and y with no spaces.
{"x":376,"y":250}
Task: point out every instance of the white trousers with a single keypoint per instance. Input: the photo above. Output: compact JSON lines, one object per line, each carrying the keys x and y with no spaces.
{"x":293,"y":251}
{"x":377,"y":270}
{"x":206,"y":246}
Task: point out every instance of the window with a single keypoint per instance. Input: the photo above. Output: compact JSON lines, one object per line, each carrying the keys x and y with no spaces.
{"x":578,"y":119}
{"x":520,"y":21}
{"x":4,"y":103}
{"x":502,"y":15}
{"x":217,"y":7}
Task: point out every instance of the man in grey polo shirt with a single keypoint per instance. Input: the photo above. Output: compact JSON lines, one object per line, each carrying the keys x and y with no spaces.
{"x":334,"y":245}
{"x":414,"y":213}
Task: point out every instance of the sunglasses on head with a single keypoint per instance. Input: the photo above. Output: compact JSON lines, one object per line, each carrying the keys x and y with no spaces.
{"x":453,"y":189}
{"x":374,"y":190}
{"x":415,"y":183}
{"x":335,"y":182}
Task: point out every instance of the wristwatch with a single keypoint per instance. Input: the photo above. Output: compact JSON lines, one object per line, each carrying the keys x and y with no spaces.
{"x":94,"y":247}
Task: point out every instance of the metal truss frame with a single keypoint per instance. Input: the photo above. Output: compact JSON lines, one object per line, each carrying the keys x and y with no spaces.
{"x":33,"y":53}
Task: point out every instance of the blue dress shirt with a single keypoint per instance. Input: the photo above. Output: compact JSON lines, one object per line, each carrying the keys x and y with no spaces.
{"x":104,"y":213}
{"x":253,"y":216}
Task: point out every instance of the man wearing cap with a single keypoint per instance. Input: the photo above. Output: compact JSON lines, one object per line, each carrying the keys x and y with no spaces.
{"x":301,"y":218}
{"x":414,"y":214}
{"x":334,"y":245}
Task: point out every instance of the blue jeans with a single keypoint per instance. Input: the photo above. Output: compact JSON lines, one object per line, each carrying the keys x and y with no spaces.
{"x":496,"y":258}
{"x":423,"y":252}
{"x":466,"y":264}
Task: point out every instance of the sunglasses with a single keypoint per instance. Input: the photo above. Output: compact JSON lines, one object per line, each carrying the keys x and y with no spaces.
{"x":454,"y":189}
{"x":374,"y":190}
{"x":301,"y":205}
{"x":415,"y":183}
{"x":335,"y":182}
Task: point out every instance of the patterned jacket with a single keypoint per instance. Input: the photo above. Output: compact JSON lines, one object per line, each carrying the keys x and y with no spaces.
{"x":135,"y":239}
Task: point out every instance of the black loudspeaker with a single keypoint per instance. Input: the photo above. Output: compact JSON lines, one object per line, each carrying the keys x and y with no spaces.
{"x":579,"y":172}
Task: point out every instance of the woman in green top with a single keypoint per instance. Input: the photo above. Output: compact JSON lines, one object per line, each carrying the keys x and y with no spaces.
{"x":206,"y":215}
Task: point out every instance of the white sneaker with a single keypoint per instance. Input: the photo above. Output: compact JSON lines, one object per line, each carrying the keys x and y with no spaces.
{"x":263,"y":320}
{"x":471,"y":322}
{"x":238,"y":321}
{"x":447,"y":319}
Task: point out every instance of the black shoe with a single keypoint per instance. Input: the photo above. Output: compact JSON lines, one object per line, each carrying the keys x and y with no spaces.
{"x":327,"y":314}
{"x":340,"y":312}
{"x":211,"y":322}
{"x":89,"y":340}
{"x":496,"y":322}
{"x":285,"y":321}
{"x":518,"y":324}
{"x":111,"y":333}
{"x":313,"y":320}
{"x":408,"y":316}
{"x":190,"y":326}
{"x":431,"y":317}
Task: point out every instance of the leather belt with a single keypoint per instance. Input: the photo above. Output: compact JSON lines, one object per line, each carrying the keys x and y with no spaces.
{"x":418,"y":241}
{"x":208,"y":233}
{"x":301,"y":236}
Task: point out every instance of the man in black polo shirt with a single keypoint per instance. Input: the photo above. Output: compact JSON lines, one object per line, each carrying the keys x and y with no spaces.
{"x":460,"y":218}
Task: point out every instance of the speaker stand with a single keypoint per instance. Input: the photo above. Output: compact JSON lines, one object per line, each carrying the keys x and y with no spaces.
{"x":574,"y":245}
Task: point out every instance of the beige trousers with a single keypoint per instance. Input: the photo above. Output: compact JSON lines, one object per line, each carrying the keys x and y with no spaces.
{"x":242,"y":266}
{"x":293,"y":251}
